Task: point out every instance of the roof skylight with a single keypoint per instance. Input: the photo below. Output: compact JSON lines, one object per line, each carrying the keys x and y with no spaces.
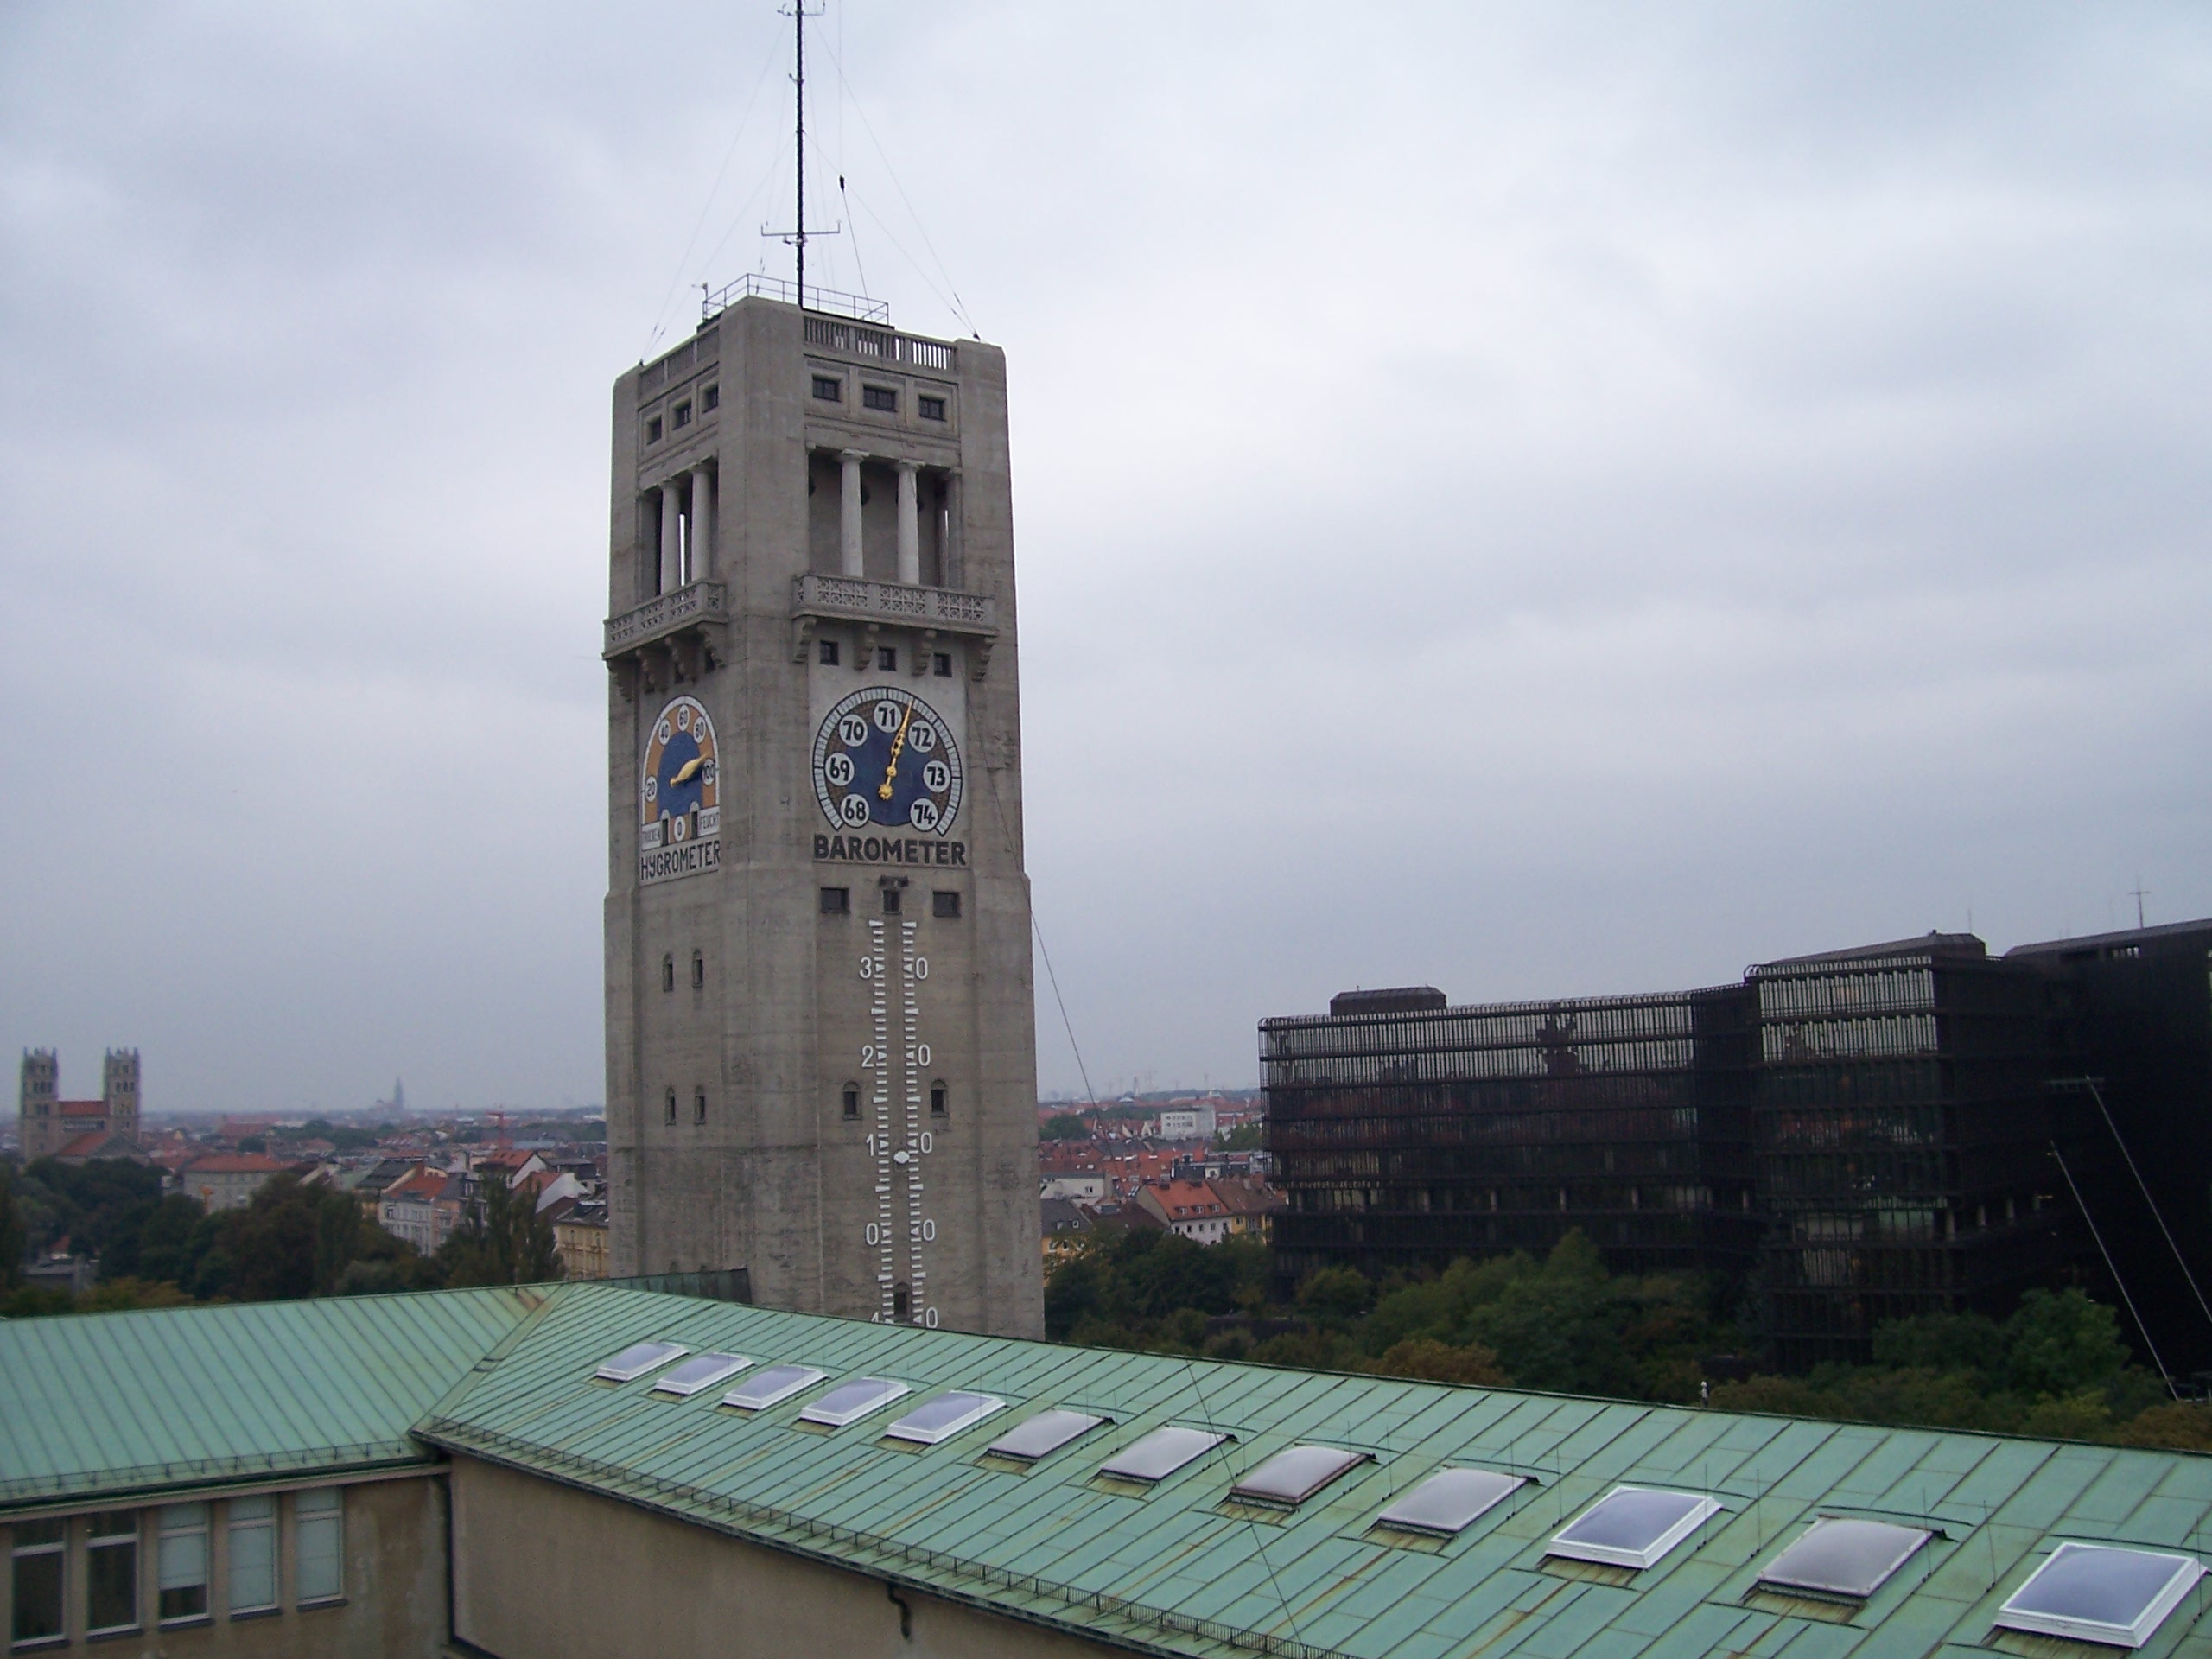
{"x":1451,"y":1500}
{"x":850,"y":1402}
{"x":701,"y":1371}
{"x":1843,"y":1557}
{"x":2094,"y":1592}
{"x":637,"y":1359}
{"x":1042,"y":1435}
{"x":778,"y":1383}
{"x":1296,"y":1473}
{"x":943,"y":1417}
{"x":1631,"y":1526}
{"x":1160,"y":1453}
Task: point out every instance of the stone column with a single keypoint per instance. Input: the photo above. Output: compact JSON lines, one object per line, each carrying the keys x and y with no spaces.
{"x":700,"y":565}
{"x":671,"y":531}
{"x":910,"y":527}
{"x":850,"y":541}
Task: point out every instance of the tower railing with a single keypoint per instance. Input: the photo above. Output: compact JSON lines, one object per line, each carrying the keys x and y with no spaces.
{"x":760,"y":286}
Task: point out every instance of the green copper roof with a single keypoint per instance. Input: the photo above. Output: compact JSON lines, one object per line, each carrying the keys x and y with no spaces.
{"x":137,"y":1402}
{"x":119,"y":1402}
{"x":1179,"y":1568}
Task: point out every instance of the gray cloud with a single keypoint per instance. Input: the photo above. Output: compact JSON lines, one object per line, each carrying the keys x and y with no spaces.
{"x":1544,"y":502}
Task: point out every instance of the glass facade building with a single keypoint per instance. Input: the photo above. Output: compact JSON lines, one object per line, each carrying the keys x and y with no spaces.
{"x":1406,"y":1133}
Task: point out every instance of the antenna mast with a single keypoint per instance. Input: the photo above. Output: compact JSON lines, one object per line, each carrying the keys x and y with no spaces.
{"x":797,"y":238}
{"x":799,"y":105}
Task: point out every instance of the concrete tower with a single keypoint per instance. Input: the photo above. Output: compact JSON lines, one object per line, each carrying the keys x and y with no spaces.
{"x":38,"y":1127}
{"x":821,"y":1058}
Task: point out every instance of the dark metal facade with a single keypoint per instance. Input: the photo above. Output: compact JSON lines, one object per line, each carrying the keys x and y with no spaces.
{"x":1406,"y":1138}
{"x":1903,"y":1130}
{"x":2134,"y":1011}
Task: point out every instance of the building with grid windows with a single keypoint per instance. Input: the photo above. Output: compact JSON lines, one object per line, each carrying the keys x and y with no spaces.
{"x":1854,"y":1136}
{"x":1407,"y":1133}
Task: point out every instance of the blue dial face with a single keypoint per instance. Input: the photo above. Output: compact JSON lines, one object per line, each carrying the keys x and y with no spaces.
{"x":885,"y":759}
{"x":680,"y":793}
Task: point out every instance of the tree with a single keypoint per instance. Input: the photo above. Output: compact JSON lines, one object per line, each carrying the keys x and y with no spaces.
{"x":510,"y":1241}
{"x":2060,"y":1343}
{"x":11,"y":1232}
{"x":1248,"y":1136}
{"x":1069,"y":1126}
{"x":1440,"y":1362}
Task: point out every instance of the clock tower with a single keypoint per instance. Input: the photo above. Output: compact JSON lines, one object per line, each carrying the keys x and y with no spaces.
{"x":821,"y":1057}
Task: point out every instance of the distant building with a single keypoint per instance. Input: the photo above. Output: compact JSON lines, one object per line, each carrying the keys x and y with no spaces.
{"x":580,"y":1234}
{"x":1064,"y":1224}
{"x":1190,"y":1209}
{"x":228,"y":1180}
{"x":1187,"y":1122}
{"x":408,"y":1208}
{"x":46,"y":1123}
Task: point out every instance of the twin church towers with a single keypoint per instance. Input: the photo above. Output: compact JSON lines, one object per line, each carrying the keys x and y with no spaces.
{"x":821,"y":1060}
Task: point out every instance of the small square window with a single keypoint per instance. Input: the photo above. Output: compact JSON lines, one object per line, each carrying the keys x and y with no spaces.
{"x":941,"y":664}
{"x":699,"y":1107}
{"x":886,"y":658}
{"x":893,"y":900}
{"x":827,"y":650}
{"x":829,"y":389}
{"x":836,"y":901}
{"x":652,"y":431}
{"x":929,"y":409}
{"x":711,"y":398}
{"x":880,"y":397}
{"x":945,"y":906}
{"x":682,"y":415}
{"x":851,"y":1100}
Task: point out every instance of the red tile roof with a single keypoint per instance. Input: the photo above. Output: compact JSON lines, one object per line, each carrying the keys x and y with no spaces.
{"x":83,"y":1108}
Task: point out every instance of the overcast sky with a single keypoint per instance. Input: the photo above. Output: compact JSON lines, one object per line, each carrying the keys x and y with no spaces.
{"x":1536,"y":500}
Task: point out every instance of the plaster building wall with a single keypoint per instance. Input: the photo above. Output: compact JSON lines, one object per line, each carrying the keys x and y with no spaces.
{"x":740,"y":1003}
{"x":639,"y":1582}
{"x":393,"y":1589}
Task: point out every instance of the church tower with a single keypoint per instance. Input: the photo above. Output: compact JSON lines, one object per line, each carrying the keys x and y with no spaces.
{"x":119,"y":1091}
{"x":821,"y":1057}
{"x":38,"y":1127}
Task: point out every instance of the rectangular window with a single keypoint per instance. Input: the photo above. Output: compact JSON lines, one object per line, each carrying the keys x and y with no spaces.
{"x":112,"y":1573}
{"x":698,"y":971}
{"x":930,"y":409}
{"x":319,"y":1542}
{"x":886,"y":658}
{"x":936,"y":1100}
{"x":181,"y":1558}
{"x":836,"y":901}
{"x":253,"y":1555}
{"x":699,"y":1108}
{"x":851,"y":1100}
{"x":652,"y":431}
{"x":892,"y":901}
{"x":41,"y":1551}
{"x":669,"y":1116}
{"x":711,"y":398}
{"x":683,"y":415}
{"x":945,"y":906}
{"x":880,"y":397}
{"x":941,"y":664}
{"x":829,"y":389}
{"x":827,"y":650}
